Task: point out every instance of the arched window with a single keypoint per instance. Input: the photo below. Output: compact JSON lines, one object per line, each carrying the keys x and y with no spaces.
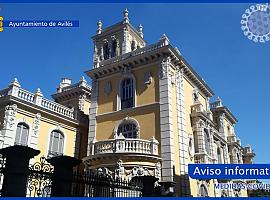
{"x":133,"y":45}
{"x":128,"y":130}
{"x":229,"y":130}
{"x":114,"y":46}
{"x":219,"y":155}
{"x":207,"y":142}
{"x":56,"y":143}
{"x":22,"y":133}
{"x":203,"y":191}
{"x":127,"y":93}
{"x":106,"y":51}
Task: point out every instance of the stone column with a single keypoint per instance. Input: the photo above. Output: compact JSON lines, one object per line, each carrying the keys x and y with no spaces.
{"x":62,"y":176}
{"x":16,"y":170}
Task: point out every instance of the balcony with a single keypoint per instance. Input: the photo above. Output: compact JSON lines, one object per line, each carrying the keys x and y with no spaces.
{"x":198,"y":109}
{"x":124,"y":145}
{"x":37,"y":99}
{"x":123,"y":148}
{"x":140,"y":51}
{"x":233,"y":140}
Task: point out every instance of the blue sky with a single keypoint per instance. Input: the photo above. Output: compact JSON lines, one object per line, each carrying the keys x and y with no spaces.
{"x":208,"y":35}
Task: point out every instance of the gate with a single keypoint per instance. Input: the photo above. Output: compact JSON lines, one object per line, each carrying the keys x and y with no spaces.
{"x":40,"y":179}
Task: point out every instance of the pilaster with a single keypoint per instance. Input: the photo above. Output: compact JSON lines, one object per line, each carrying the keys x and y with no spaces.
{"x":166,"y":121}
{"x":92,"y":115}
{"x":9,"y":125}
{"x":35,"y":131}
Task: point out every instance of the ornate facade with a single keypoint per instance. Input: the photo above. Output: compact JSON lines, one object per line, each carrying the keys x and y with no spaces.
{"x":147,"y":113}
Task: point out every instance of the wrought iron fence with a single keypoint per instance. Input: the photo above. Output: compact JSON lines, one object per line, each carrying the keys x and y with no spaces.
{"x":84,"y":183}
{"x":40,"y":179}
{"x":97,"y":184}
{"x":93,"y":183}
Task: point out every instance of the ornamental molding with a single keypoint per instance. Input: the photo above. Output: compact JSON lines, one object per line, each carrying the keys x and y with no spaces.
{"x":10,"y":116}
{"x":121,"y":173}
{"x":82,"y":99}
{"x":36,"y":123}
{"x":147,"y":78}
{"x":126,"y":70}
{"x":108,"y":88}
{"x":164,"y":67}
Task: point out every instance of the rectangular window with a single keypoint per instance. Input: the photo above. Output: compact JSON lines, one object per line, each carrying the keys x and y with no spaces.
{"x":56,"y":144}
{"x":127,"y":94}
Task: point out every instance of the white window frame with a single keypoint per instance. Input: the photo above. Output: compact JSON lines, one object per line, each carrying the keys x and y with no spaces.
{"x":119,"y":95}
{"x":22,"y":124}
{"x":127,"y":120}
{"x":51,"y":152}
{"x":133,"y":132}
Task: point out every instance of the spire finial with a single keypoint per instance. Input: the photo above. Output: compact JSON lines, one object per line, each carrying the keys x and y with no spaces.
{"x":126,"y":18}
{"x":219,"y":101}
{"x":140,"y":29}
{"x":164,"y":39}
{"x":82,"y":79}
{"x":38,"y":92}
{"x":99,"y":29}
{"x":15,"y":82}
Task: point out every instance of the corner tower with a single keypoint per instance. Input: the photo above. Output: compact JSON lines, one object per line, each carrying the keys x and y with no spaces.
{"x":116,"y":40}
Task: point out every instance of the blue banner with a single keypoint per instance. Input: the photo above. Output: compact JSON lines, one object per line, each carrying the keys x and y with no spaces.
{"x":229,"y":171}
{"x":40,"y":23}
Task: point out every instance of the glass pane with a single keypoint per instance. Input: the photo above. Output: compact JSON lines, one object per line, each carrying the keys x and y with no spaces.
{"x":51,"y":142}
{"x":21,"y":134}
{"x":24,"y":136}
{"x":18,"y":134}
{"x":128,"y":130}
{"x":55,"y":142}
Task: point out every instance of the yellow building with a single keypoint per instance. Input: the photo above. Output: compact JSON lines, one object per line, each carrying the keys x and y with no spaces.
{"x":150,"y":113}
{"x":31,"y":120}
{"x":147,"y":113}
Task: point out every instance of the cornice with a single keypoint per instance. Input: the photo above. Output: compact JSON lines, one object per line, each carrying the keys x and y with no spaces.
{"x":147,"y":55}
